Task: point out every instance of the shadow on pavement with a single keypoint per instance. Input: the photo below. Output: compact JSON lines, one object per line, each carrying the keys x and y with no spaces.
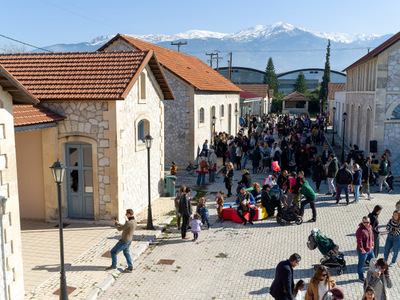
{"x":264,"y":290}
{"x":68,"y":267}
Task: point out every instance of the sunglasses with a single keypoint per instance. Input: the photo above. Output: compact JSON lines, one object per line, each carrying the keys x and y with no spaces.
{"x":324,"y":275}
{"x":366,"y":222}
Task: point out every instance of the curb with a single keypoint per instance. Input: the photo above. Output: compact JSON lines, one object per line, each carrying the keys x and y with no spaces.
{"x":109,"y":281}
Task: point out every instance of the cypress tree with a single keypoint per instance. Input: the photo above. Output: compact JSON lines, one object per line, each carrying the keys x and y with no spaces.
{"x":270,"y":77}
{"x":300,"y":85}
{"x":323,"y":92}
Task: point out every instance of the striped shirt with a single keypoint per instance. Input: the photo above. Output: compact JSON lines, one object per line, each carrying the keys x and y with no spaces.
{"x":393,"y":227}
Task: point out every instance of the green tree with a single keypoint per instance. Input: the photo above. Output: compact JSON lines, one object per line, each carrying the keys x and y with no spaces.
{"x":323,"y":93}
{"x":300,"y":85}
{"x":270,"y":77}
{"x":276,"y":105}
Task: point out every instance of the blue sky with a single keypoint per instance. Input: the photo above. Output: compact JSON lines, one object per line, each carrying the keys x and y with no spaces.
{"x":47,"y":22}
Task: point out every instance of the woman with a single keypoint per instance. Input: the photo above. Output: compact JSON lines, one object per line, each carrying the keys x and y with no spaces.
{"x":393,"y":238}
{"x":228,"y":178}
{"x":369,"y":293}
{"x":373,"y":217}
{"x":319,"y":284}
{"x":357,"y":181}
{"x":378,"y":277}
{"x":390,"y":159}
{"x":256,"y":192}
{"x":246,"y":178}
{"x":238,"y":157}
{"x":178,"y":196}
{"x":212,"y":164}
{"x":318,"y":172}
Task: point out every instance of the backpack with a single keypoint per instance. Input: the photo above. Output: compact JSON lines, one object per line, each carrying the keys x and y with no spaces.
{"x":311,"y":243}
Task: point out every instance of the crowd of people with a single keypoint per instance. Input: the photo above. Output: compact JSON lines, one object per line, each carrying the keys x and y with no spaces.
{"x":285,"y":150}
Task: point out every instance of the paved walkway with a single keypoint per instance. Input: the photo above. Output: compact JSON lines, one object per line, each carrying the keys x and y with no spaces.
{"x":85,"y":245}
{"x":232,"y":261}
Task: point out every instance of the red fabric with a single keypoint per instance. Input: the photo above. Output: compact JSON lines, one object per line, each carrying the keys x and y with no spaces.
{"x":231,"y":214}
{"x":365,"y":238}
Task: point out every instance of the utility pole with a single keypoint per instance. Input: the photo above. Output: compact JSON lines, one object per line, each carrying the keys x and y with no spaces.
{"x":211,"y":58}
{"x":179,"y":44}
{"x":217,"y":52}
{"x":230,"y":66}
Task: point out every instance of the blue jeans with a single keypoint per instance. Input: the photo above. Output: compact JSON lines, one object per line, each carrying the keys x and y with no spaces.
{"x":121,"y":246}
{"x":345,"y":188}
{"x":392,"y":242}
{"x":212,"y":176}
{"x":356,"y":192}
{"x":362,"y":257}
{"x":255,"y":170}
{"x":201,"y":177}
{"x":244,"y":161}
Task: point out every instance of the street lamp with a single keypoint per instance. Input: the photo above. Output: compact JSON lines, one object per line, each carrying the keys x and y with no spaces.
{"x":333,"y":126}
{"x":148,"y":139}
{"x":320,"y":107}
{"x":58,"y":171}
{"x":214,"y":120}
{"x":344,"y":130}
{"x":236,"y":115}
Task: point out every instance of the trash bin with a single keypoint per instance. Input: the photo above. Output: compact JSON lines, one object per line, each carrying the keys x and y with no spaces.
{"x":170,"y":184}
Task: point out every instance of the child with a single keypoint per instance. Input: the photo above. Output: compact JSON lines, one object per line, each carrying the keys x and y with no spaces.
{"x":390,"y":180}
{"x":220,"y":202}
{"x":369,"y":293}
{"x":174,"y":168}
{"x":196,"y":226}
{"x":202,"y":201}
{"x":375,"y":167}
{"x":203,"y":212}
{"x":297,"y":293}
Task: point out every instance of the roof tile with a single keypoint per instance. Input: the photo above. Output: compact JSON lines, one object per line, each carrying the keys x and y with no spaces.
{"x":189,"y":68}
{"x":34,"y":114}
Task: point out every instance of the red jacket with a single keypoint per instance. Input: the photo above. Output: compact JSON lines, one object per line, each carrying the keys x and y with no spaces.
{"x":365,"y":238}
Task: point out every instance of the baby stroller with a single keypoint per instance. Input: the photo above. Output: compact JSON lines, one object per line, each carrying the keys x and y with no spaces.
{"x":333,"y":258}
{"x":288,"y":212}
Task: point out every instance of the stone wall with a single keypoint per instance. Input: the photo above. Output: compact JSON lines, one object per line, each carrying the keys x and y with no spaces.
{"x":132,"y":153}
{"x":11,"y":272}
{"x":177,"y":126}
{"x":392,"y":142}
{"x":394,"y":69}
{"x":87,"y":121}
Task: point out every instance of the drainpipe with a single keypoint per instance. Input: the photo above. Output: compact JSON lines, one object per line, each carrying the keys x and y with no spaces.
{"x":3,"y":253}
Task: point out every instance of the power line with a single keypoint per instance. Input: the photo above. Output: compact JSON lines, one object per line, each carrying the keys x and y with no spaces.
{"x":7,"y":37}
{"x":179,"y":44}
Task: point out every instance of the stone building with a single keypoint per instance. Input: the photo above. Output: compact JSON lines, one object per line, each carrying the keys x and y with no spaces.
{"x":373,"y":100}
{"x":200,"y":92}
{"x":295,"y":103}
{"x":11,"y":274}
{"x":106,"y":104}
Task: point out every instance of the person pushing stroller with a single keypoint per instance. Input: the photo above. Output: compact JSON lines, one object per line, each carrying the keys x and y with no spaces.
{"x":310,"y":196}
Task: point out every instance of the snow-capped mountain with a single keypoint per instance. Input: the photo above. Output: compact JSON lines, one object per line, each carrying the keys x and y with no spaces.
{"x":289,"y":46}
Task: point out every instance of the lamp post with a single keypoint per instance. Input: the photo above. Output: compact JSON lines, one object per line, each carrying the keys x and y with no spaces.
{"x":149,"y":140}
{"x":58,"y":171}
{"x":344,"y":130}
{"x":333,"y":126}
{"x":320,"y":107}
{"x":236,"y":115}
{"x":214,"y":120}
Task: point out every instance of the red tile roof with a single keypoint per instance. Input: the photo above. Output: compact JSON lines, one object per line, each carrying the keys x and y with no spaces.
{"x":34,"y":114}
{"x":82,"y":76}
{"x":270,"y":93}
{"x":248,"y":95}
{"x":189,"y":68}
{"x":295,"y":96}
{"x":376,"y":51}
{"x":258,"y":89}
{"x":335,"y":87}
{"x":18,"y":92}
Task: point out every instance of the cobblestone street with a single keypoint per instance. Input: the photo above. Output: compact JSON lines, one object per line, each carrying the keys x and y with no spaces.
{"x":232,"y":261}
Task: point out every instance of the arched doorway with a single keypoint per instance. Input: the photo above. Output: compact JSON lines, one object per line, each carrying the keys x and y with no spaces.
{"x":79,"y":175}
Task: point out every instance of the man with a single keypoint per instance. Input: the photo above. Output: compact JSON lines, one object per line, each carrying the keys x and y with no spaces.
{"x":365,"y":243}
{"x":333,"y":169}
{"x":124,"y":243}
{"x":343,"y":180}
{"x":383,"y":173}
{"x":283,"y":181}
{"x":283,"y":284}
{"x":367,"y":177}
{"x":325,"y":154}
{"x":185,"y":209}
{"x":244,"y":202}
{"x":296,"y":188}
{"x":309,"y":194}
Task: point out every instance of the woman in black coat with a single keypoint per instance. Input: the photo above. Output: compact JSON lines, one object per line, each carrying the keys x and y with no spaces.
{"x":318,"y":172}
{"x":228,"y":178}
{"x":373,"y":218}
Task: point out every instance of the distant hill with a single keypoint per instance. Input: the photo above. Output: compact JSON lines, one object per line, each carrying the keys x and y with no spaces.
{"x":290,"y":47}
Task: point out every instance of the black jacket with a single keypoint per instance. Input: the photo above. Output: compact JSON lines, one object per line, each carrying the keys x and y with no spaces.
{"x":185,"y":209}
{"x":374,"y":222}
{"x":318,"y":171}
{"x":283,"y":284}
{"x":246,"y":180}
{"x":333,"y":168}
{"x":344,"y":176}
{"x":367,"y":174}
